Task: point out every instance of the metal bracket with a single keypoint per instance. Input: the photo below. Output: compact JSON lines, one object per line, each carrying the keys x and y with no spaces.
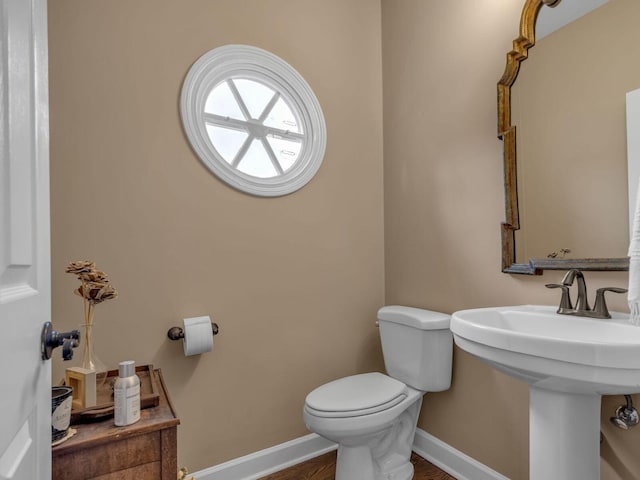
{"x":177,"y":333}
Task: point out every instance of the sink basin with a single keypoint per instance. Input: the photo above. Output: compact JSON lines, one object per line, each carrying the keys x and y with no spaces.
{"x":568,"y":362}
{"x":556,"y":352}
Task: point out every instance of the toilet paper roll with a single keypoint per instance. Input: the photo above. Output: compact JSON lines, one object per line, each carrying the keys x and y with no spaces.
{"x":198,"y":336}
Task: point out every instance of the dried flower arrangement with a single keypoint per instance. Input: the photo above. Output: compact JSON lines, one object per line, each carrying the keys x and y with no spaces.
{"x":94,"y":288}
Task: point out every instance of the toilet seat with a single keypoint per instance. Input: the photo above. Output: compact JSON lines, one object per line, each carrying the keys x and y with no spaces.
{"x":356,"y":396}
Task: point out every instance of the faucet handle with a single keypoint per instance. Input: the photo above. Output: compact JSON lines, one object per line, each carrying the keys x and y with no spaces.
{"x":565,"y":300}
{"x":600,"y":308}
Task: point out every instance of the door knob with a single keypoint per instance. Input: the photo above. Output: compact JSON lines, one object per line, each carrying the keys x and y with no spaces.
{"x":52,"y":339}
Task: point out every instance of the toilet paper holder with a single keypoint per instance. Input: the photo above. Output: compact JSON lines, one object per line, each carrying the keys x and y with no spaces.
{"x":177,"y":333}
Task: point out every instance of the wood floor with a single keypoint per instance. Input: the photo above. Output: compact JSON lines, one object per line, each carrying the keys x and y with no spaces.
{"x":324,"y":468}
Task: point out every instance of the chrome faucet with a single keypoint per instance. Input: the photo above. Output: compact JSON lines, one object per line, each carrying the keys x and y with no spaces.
{"x":582,"y":308}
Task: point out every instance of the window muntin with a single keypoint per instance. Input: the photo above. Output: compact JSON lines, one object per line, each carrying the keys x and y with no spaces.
{"x":253,"y":120}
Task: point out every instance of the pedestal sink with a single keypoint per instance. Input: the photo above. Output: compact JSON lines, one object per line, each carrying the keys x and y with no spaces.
{"x":568,"y":362}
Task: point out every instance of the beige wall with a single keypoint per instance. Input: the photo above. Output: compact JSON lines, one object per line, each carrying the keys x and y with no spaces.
{"x":443,"y":208}
{"x":293,"y":282}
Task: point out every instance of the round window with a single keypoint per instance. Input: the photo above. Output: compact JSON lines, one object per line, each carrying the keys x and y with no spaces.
{"x":253,"y":120}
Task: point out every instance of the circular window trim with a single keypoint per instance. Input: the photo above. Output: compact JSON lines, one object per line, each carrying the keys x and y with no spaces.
{"x":244,"y":61}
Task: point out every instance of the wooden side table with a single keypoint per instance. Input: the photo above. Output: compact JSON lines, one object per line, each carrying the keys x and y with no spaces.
{"x":145,"y":450}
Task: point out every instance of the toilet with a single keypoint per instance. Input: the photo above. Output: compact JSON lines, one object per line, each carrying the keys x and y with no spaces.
{"x":373,"y":417}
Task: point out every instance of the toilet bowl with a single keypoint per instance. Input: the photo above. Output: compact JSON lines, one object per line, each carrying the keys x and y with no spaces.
{"x":373,"y":417}
{"x":374,"y":441}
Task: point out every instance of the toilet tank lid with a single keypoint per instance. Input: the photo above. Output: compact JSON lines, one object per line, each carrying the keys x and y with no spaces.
{"x":415,"y":317}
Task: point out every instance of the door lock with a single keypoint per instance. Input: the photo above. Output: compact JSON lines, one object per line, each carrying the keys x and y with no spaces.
{"x":51,"y":339}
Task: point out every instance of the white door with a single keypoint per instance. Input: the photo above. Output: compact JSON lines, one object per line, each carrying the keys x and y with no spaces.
{"x":25,"y":285}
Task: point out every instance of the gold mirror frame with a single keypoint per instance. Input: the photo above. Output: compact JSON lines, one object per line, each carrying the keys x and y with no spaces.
{"x":507,"y":133}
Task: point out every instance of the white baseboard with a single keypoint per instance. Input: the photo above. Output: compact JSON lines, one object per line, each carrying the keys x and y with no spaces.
{"x":285,"y":455}
{"x":452,"y":461}
{"x":260,"y":464}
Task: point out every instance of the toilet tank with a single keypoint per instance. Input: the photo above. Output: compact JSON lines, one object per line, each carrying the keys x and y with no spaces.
{"x":417,"y":346}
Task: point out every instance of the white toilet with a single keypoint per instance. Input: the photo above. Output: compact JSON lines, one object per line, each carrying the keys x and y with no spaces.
{"x":373,"y":417}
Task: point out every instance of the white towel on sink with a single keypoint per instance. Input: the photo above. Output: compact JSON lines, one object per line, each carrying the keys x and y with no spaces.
{"x":633,"y":295}
{"x":634,"y":289}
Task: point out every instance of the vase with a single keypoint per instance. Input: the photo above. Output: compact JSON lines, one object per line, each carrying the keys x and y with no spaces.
{"x":90,"y":361}
{"x":87,"y":347}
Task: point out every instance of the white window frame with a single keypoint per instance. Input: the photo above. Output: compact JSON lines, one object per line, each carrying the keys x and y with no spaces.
{"x":252,"y":63}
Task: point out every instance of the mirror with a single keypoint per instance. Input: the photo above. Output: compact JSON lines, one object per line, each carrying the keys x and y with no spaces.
{"x":566,"y":195}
